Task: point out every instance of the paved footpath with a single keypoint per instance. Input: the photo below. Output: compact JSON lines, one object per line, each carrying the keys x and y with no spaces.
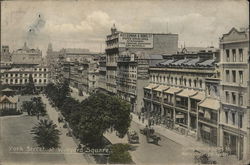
{"x":189,"y":143}
{"x":67,"y":143}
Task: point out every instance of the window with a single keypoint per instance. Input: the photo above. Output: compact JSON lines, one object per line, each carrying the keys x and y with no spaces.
{"x":180,"y":81}
{"x":185,"y":82}
{"x":234,"y":55}
{"x":227,"y":76}
{"x":228,"y":55}
{"x":190,"y":81}
{"x":44,"y":80}
{"x":241,"y":55}
{"x":227,"y":97}
{"x":240,"y":100}
{"x":45,"y":70}
{"x":40,"y":80}
{"x":164,"y":78}
{"x":226,"y":116}
{"x":11,"y":75}
{"x":15,"y":80}
{"x":172,"y":80}
{"x":16,"y":75}
{"x":175,"y":81}
{"x":241,"y":76}
{"x":234,"y":75}
{"x":35,"y":80}
{"x":240,"y":120}
{"x":35,"y":75}
{"x":233,"y":98}
{"x":233,"y":118}
{"x":21,"y":81}
{"x":200,"y":83}
{"x":195,"y":83}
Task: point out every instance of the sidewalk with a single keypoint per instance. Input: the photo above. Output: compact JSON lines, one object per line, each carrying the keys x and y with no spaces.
{"x":67,"y":143}
{"x":190,"y":144}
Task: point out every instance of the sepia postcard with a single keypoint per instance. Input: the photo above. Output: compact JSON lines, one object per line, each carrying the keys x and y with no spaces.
{"x":124,"y":82}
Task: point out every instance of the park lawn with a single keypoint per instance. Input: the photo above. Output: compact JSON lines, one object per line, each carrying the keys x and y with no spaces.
{"x":15,"y":136}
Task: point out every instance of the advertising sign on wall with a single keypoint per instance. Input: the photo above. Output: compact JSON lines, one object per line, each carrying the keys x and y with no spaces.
{"x":135,"y":40}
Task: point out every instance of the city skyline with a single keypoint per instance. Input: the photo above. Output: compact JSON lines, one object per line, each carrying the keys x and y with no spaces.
{"x":198,"y":24}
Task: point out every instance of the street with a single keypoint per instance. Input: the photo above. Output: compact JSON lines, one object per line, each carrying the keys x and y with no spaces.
{"x":66,"y":142}
{"x":167,"y":152}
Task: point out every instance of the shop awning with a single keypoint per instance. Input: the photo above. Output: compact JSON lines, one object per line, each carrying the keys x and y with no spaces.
{"x":199,"y":96}
{"x":172,"y":90}
{"x":186,"y":93}
{"x":210,"y":103}
{"x":7,"y":90}
{"x":161,"y":88}
{"x":151,"y":86}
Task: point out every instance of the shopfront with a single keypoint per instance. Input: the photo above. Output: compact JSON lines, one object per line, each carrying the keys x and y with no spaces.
{"x":208,"y":134}
{"x":233,"y":144}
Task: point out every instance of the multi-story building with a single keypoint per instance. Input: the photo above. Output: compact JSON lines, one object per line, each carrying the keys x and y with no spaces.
{"x":52,"y":61}
{"x":68,"y":56}
{"x":176,"y":87}
{"x":208,"y":113}
{"x":102,"y":73}
{"x":82,"y":74}
{"x":16,"y":78}
{"x":150,"y":43}
{"x":27,"y":57}
{"x":5,"y":54}
{"x":132,"y":76}
{"x":234,"y":115}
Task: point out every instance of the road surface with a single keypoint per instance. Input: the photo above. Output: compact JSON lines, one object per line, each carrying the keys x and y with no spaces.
{"x":67,"y":143}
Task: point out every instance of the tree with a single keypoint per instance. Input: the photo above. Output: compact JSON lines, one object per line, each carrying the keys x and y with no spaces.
{"x":101,"y":112}
{"x":46,"y":134}
{"x":27,"y":106}
{"x":38,"y":106}
{"x":119,"y":154}
{"x":29,"y":88}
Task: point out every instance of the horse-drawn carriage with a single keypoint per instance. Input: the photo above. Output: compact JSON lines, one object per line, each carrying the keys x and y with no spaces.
{"x":132,"y":136}
{"x":150,"y":135}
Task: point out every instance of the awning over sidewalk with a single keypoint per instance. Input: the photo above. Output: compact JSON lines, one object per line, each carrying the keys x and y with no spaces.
{"x":151,"y":86}
{"x":210,"y":103}
{"x":187,"y":93}
{"x":161,"y":88}
{"x":199,"y":96}
{"x":172,"y":90}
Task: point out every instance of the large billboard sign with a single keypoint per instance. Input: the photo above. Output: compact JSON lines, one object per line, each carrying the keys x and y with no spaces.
{"x":135,"y":40}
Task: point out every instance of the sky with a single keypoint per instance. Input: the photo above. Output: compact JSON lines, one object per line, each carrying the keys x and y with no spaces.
{"x":85,"y":23}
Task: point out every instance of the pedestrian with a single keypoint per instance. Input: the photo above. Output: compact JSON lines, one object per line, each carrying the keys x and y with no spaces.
{"x":142,"y":119}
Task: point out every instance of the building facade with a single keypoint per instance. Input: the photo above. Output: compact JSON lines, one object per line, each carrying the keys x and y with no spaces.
{"x":176,"y":87}
{"x":16,"y":78}
{"x":102,"y":73}
{"x":150,"y":43}
{"x":26,"y":56}
{"x":234,"y":68}
{"x":6,"y":56}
